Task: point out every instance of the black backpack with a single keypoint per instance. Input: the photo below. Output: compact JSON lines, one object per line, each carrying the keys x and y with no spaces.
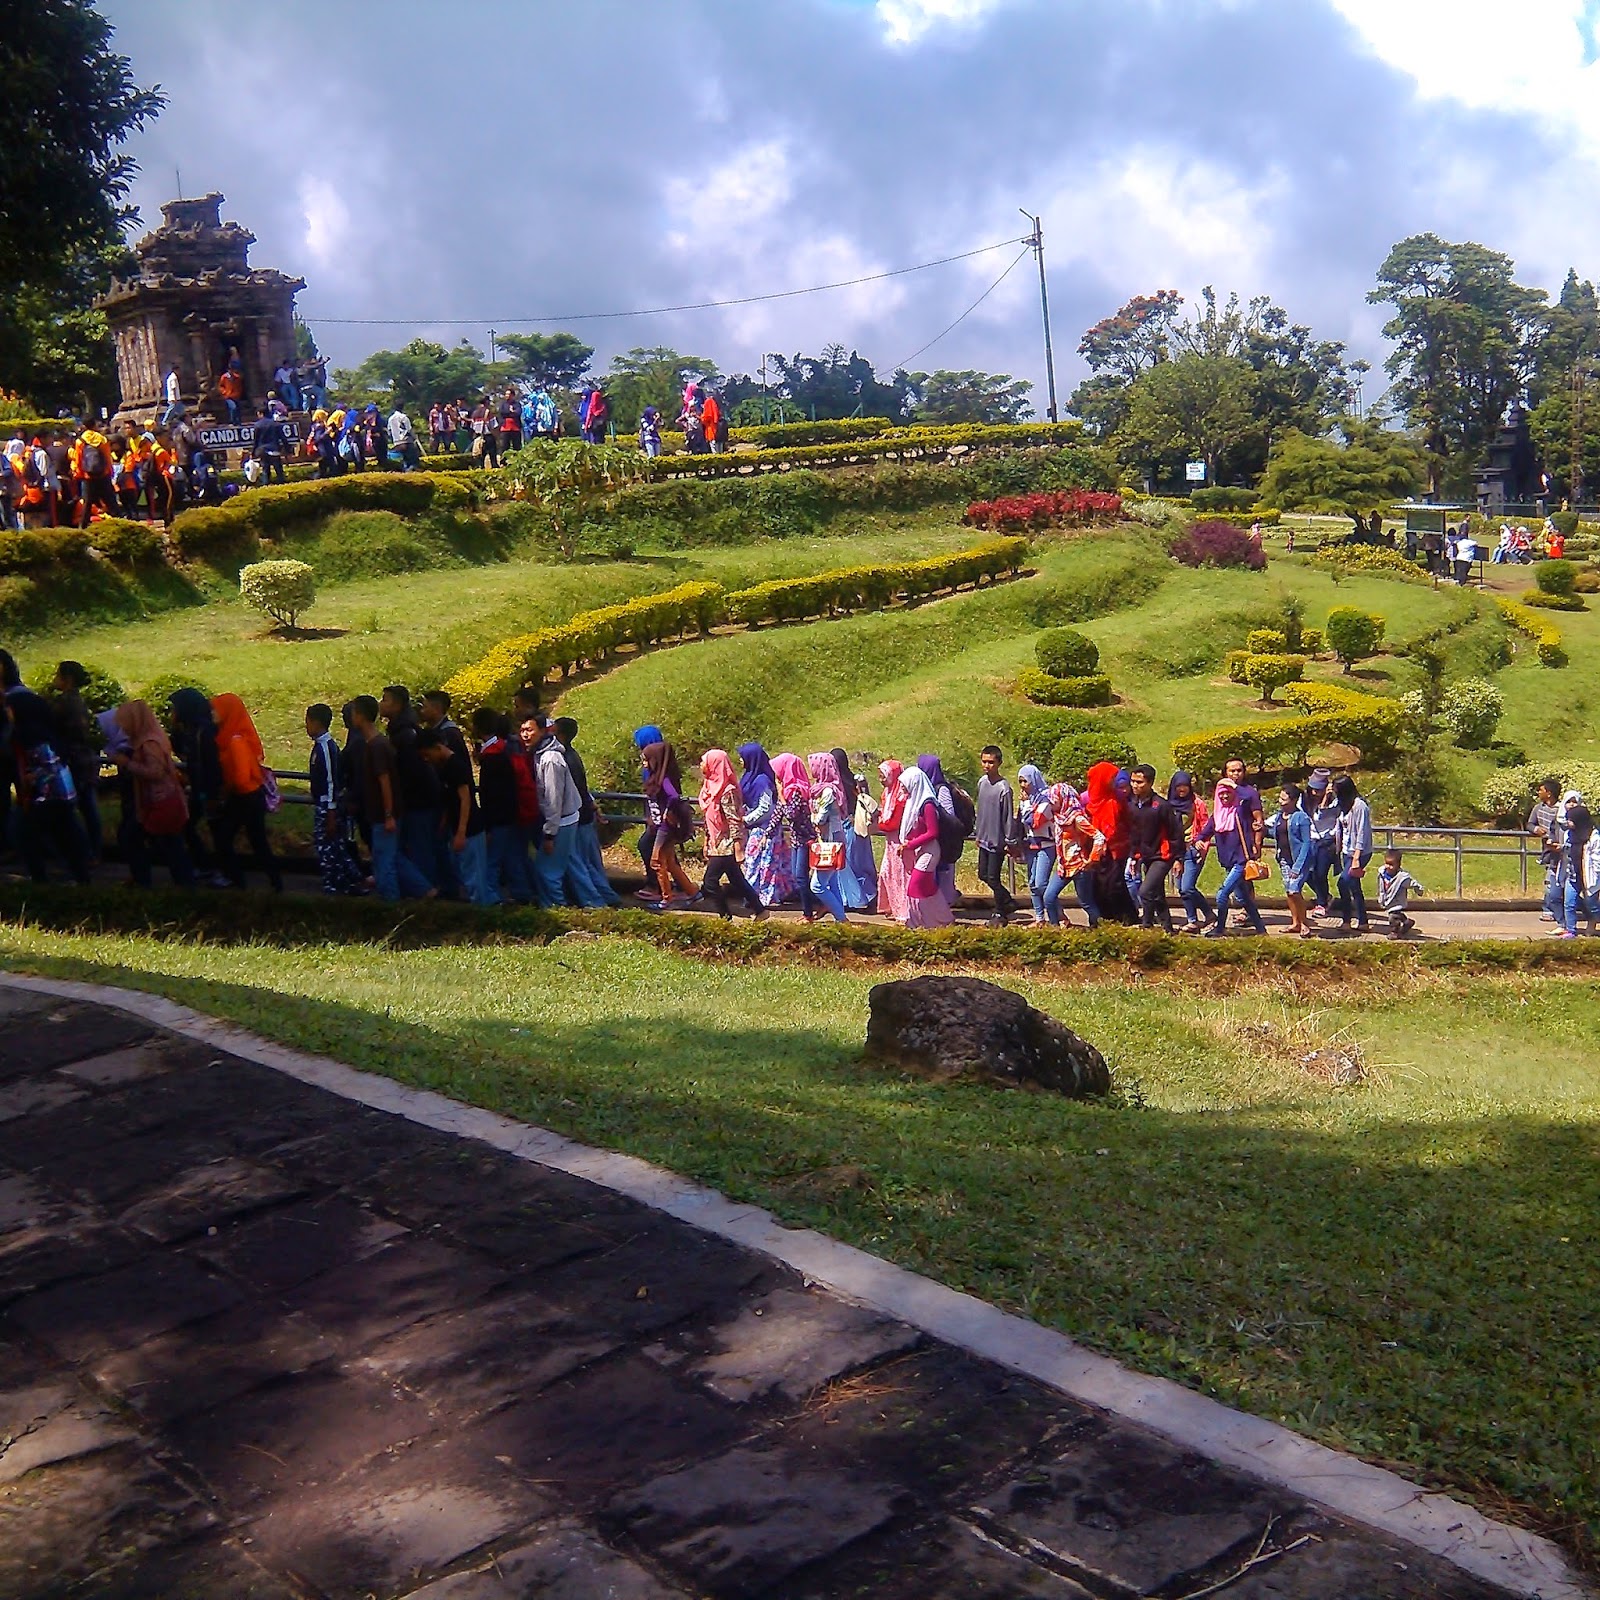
{"x":94,"y":461}
{"x":955,"y":831}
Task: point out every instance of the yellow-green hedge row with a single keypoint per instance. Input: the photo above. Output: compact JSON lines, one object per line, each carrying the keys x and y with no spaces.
{"x":1045,"y":689}
{"x":1333,"y":716}
{"x":1541,"y":630}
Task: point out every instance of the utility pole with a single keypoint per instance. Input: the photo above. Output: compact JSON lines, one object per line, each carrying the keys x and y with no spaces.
{"x":766,"y":416}
{"x":1036,"y":243}
{"x":491,"y":347}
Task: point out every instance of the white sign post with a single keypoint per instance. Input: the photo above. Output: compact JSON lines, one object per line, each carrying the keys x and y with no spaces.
{"x":1194,"y":471}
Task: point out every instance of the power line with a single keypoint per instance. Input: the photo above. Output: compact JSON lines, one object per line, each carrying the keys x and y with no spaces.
{"x":656,"y":311}
{"x":899,"y":365}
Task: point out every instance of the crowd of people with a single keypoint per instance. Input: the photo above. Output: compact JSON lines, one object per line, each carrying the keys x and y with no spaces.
{"x":1569,"y":852}
{"x":406,"y":804}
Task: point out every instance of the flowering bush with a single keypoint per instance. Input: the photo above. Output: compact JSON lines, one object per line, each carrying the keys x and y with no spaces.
{"x":282,"y":589}
{"x":1018,"y":512}
{"x":1218,"y":544}
{"x":1471,"y":710}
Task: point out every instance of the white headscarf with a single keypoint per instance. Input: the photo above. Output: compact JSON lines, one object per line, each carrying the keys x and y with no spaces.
{"x":919,"y":792}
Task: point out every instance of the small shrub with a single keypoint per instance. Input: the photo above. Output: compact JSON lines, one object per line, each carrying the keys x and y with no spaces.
{"x":281,"y":589}
{"x":1353,"y":634}
{"x":1311,"y":640}
{"x":1471,"y":710}
{"x":1217,"y":544}
{"x":1565,"y":522}
{"x":1066,"y":653}
{"x":1089,"y":689}
{"x":102,"y":692}
{"x":1556,"y":577}
{"x":1073,"y":756}
{"x":1035,"y":734}
{"x":1554,"y":602}
{"x":1234,"y":662}
{"x":1586,"y":582}
{"x":160,"y":690}
{"x":1266,"y":642}
{"x":1214,"y":498}
{"x":1269,"y":672}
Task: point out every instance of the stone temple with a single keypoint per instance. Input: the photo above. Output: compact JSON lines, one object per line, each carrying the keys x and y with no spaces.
{"x":194,"y":301}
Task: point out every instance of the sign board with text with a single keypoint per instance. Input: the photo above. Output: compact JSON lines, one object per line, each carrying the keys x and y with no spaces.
{"x":1194,"y":471}
{"x":231,"y":436}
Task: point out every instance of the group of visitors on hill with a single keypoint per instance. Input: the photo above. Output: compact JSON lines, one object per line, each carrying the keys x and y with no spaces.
{"x":407,"y":804}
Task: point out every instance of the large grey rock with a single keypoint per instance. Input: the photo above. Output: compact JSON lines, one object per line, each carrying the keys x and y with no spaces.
{"x":938,"y":1027}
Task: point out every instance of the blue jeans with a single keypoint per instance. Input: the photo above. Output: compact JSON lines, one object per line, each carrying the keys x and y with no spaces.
{"x":1555,"y":889}
{"x":1574,"y":903}
{"x":1083,"y":887}
{"x":509,"y":868}
{"x":1324,"y":852}
{"x":1234,"y":887}
{"x":419,"y":844}
{"x":550,"y":866}
{"x":1041,"y":868}
{"x":825,"y":886}
{"x":392,"y":870}
{"x":586,"y":872}
{"x":1351,"y":895}
{"x":1194,"y":903}
{"x":472,"y":868}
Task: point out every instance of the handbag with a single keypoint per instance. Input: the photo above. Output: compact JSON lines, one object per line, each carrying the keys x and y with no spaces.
{"x":865,"y":810}
{"x":827,"y":855}
{"x":269,"y":787}
{"x":1255,"y":871}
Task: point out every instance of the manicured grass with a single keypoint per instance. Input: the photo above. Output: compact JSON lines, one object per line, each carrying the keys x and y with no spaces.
{"x":418,"y":627}
{"x":1406,"y":1268}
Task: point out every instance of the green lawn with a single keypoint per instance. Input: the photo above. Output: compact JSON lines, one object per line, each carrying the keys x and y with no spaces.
{"x":1407,"y":1268}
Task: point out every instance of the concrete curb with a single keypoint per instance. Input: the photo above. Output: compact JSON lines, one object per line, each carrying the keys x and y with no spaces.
{"x":1523,"y":1563}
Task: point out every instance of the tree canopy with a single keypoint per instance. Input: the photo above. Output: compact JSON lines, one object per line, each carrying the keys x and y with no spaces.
{"x":552,"y":360}
{"x":1365,"y":467}
{"x":421,"y":373}
{"x":986,"y":397}
{"x":69,"y":103}
{"x":835,"y":384}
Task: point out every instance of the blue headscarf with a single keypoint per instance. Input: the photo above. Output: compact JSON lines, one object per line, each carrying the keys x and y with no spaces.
{"x":1031,"y":779}
{"x":647,"y":735}
{"x":759,"y":779}
{"x":1184,"y":808}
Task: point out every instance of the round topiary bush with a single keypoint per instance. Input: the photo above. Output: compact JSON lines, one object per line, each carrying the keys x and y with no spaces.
{"x":1266,"y":642}
{"x":1471,"y":710}
{"x":1090,"y":689}
{"x":1074,"y":755}
{"x":1556,"y":577}
{"x":1269,"y":672}
{"x":102,"y":692}
{"x":281,"y":589}
{"x":1035,"y":734}
{"x":1353,"y":634}
{"x":1066,"y":653}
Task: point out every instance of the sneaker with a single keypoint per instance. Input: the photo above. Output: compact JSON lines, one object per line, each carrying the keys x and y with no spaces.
{"x":763,"y":915}
{"x":1565,"y":933}
{"x":1547,"y":916}
{"x":1215,"y":933}
{"x":1191,"y":927}
{"x":997,"y":921}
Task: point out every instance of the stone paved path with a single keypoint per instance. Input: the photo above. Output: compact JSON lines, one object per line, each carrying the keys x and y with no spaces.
{"x":258,"y":1342}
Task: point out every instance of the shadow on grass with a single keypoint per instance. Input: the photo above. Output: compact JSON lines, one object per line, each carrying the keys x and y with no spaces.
{"x":1421,"y":1292}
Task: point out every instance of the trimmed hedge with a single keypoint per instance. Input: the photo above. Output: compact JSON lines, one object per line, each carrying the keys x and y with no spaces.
{"x":589,"y":636}
{"x":1234,"y":662}
{"x":1269,"y":671}
{"x":1066,"y":653}
{"x":1553,"y":602}
{"x":1266,"y":642}
{"x":1544,"y":634}
{"x":1376,"y":559}
{"x":1091,"y":689}
{"x":308,"y":922}
{"x":28,"y":549}
{"x":1334,"y":716}
{"x":260,"y":513}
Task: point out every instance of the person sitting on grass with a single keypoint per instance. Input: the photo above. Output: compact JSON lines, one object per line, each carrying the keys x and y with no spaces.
{"x":1395,"y":885}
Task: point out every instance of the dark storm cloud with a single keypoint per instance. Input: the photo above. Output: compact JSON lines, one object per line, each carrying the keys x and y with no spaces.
{"x":501,"y":160}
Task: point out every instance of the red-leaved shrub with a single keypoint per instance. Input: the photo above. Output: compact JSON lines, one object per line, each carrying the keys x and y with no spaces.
{"x":1218,"y":544}
{"x":1017,"y":513}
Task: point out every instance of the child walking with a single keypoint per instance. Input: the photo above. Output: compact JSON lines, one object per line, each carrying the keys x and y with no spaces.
{"x":1395,"y":885}
{"x":330,"y":827}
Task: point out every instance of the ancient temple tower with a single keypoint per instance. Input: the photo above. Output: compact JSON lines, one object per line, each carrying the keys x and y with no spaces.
{"x":196,"y":299}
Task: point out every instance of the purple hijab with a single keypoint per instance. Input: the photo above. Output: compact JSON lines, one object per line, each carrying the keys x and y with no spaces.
{"x":759,"y":779}
{"x":934,"y":770}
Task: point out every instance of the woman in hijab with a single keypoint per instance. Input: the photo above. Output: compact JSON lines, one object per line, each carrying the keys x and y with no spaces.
{"x":926,"y":905}
{"x":1291,"y":839}
{"x":156,"y":794}
{"x":767,"y":856}
{"x":244,"y":792}
{"x":1582,"y":865}
{"x":1235,"y":843}
{"x":670,"y":821}
{"x":1355,"y":851}
{"x":194,"y":743}
{"x":944,"y":797}
{"x":832,"y":881}
{"x":1192,"y":812}
{"x":891,"y":811}
{"x":1036,"y":829}
{"x":1080,"y":853}
{"x":722,"y":806}
{"x":643,"y":738}
{"x":794,"y":802}
{"x":1108,"y":811}
{"x":857,"y":844}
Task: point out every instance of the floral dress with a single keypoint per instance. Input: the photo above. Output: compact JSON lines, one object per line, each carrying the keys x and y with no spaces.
{"x":768,"y":856}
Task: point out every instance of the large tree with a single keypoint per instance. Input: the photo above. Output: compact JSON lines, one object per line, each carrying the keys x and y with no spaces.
{"x":652,"y":376}
{"x":1192,"y":408}
{"x":836,"y":384}
{"x":1359,"y":466}
{"x":987,"y":397}
{"x":67,"y":103}
{"x":1570,"y":336}
{"x":552,"y":360}
{"x":1464,"y":331}
{"x":419,"y":374}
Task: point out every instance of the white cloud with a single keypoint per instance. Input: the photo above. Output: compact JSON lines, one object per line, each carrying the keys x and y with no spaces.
{"x":327,"y":220}
{"x":906,"y":21}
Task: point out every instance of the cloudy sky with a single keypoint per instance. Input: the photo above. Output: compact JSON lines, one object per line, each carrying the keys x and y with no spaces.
{"x":504,"y":160}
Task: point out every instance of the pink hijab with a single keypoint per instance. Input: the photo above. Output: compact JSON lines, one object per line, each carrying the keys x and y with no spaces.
{"x":717,"y":777}
{"x":1225,"y":807}
{"x":793,"y":779}
{"x":825,"y":776}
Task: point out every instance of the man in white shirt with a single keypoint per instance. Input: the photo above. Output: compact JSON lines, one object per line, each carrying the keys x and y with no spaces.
{"x":560,"y":803}
{"x":174,"y":393}
{"x":403,"y":439}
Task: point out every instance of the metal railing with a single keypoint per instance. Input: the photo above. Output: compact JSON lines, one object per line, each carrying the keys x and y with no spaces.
{"x":626,"y":810}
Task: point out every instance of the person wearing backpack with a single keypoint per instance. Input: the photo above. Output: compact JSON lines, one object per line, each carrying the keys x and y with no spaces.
{"x":94,"y":468}
{"x":46,"y":795}
{"x":957,"y":816}
{"x":500,"y":798}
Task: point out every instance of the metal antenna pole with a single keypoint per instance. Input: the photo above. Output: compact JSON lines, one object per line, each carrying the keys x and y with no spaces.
{"x":1037,"y":244}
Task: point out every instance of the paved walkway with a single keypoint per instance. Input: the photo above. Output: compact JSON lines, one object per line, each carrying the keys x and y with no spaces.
{"x":260,"y":1342}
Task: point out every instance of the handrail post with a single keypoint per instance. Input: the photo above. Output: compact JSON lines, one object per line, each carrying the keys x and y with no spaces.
{"x":1460,"y":860}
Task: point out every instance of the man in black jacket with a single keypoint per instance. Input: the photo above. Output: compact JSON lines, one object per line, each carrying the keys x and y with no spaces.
{"x":267,"y":446}
{"x":421,"y":839}
{"x":1155,"y":834}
